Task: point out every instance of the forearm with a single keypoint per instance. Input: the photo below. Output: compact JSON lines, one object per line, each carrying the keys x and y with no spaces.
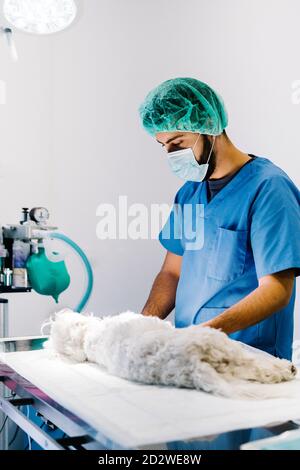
{"x":161,"y":300}
{"x":267,"y":299}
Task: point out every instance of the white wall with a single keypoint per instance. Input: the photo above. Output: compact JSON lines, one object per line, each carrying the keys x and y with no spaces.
{"x":102,"y":68}
{"x":25,"y":152}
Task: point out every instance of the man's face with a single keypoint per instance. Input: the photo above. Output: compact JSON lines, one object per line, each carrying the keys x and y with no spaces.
{"x":172,"y":141}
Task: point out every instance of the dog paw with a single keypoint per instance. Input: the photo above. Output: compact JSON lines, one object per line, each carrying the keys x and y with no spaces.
{"x":279,"y":370}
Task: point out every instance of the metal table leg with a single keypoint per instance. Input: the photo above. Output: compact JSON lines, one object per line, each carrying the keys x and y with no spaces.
{"x":3,"y":334}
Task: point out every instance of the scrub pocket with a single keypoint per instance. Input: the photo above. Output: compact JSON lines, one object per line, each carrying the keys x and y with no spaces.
{"x":227,"y":259}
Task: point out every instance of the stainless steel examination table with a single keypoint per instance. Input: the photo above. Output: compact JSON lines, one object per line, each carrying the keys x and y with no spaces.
{"x":96,"y":410}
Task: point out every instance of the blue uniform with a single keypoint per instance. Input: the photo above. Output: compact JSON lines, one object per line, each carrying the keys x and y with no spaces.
{"x":250,"y":229}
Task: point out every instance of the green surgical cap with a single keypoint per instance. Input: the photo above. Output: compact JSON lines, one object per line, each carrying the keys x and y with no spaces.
{"x":183,"y":104}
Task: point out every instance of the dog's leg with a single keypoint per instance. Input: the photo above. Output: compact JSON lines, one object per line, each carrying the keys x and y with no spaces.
{"x":265,"y":370}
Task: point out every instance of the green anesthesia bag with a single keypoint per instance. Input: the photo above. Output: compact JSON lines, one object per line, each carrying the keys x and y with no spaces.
{"x":47,"y":277}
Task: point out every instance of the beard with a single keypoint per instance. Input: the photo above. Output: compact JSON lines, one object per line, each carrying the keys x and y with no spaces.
{"x":204,"y":157}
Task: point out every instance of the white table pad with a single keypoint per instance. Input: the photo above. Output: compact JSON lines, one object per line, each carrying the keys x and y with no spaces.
{"x":135,"y":415}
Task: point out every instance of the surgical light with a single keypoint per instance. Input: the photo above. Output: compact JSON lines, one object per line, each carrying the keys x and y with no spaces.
{"x":40,"y":16}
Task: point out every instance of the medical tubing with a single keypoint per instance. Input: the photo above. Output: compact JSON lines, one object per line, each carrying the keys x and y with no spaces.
{"x":87,"y":294}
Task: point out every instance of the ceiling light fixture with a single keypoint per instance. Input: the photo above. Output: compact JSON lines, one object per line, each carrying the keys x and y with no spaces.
{"x":40,"y":16}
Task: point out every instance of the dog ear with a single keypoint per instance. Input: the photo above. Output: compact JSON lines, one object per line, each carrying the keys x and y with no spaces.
{"x":62,"y":312}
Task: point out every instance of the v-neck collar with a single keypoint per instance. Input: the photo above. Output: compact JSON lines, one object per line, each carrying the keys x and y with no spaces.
{"x":224,"y":192}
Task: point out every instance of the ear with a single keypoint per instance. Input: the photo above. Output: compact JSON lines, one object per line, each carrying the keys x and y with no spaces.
{"x":62,"y":312}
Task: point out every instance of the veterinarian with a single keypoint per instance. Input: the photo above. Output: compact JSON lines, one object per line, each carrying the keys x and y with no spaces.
{"x":241,"y":279}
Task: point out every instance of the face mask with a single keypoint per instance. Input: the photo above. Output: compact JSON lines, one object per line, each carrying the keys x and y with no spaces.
{"x":183,"y":163}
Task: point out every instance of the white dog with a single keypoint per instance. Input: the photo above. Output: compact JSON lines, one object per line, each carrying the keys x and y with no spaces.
{"x":152,"y":351}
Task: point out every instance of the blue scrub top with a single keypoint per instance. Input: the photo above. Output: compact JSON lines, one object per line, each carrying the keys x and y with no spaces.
{"x":250,"y":229}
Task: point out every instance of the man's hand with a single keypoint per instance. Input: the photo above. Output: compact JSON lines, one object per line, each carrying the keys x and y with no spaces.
{"x":162,"y":296}
{"x":272,"y":294}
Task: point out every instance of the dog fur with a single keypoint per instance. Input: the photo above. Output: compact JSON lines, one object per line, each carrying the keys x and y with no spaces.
{"x":152,"y":351}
